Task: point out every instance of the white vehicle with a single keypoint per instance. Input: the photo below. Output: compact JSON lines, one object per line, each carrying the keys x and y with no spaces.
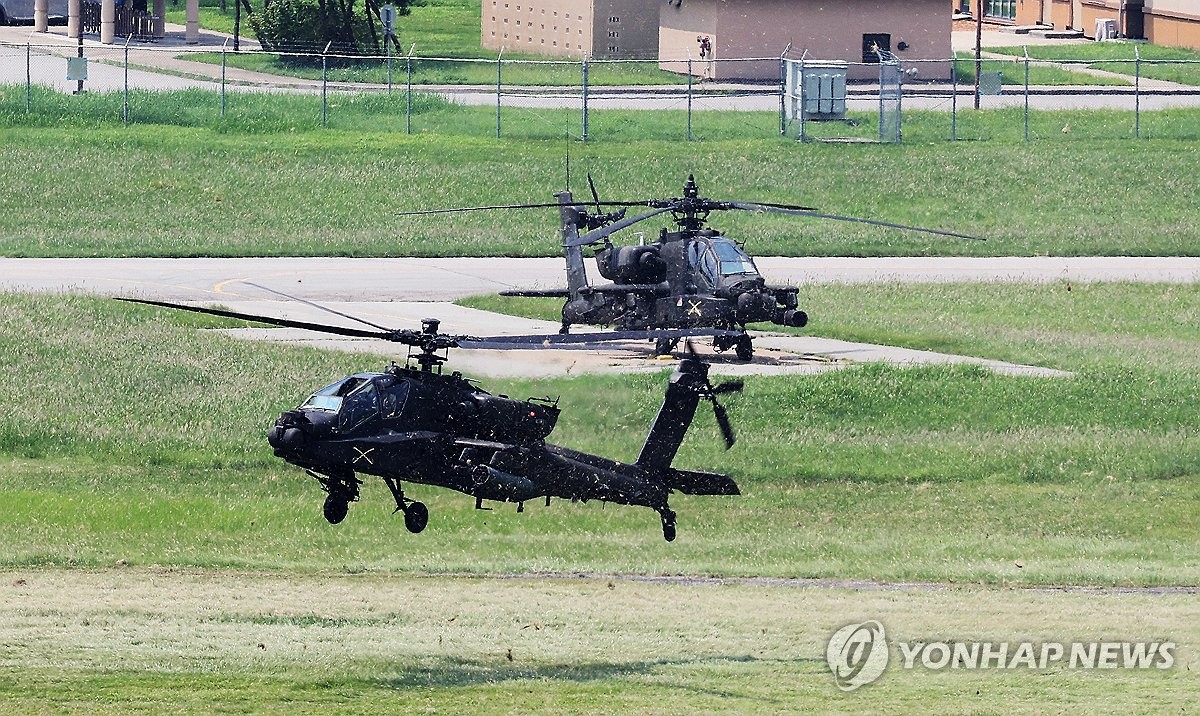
{"x":20,"y":12}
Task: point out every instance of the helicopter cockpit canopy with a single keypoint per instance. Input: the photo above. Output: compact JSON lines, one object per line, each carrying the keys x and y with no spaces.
{"x":719,"y":257}
{"x":731,"y":259}
{"x":360,"y":397}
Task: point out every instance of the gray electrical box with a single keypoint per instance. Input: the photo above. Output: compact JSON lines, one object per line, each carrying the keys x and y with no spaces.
{"x":818,"y":89}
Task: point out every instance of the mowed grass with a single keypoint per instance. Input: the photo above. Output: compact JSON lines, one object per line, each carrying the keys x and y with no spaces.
{"x":187,"y":641}
{"x":1172,"y":64}
{"x":258,"y":188}
{"x":141,"y":439}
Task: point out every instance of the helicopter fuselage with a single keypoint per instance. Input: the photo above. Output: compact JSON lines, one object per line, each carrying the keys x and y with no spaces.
{"x":685,"y":279}
{"x":423,"y":427}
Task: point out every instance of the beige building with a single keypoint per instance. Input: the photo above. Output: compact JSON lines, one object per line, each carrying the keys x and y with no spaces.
{"x":707,"y":30}
{"x":1172,"y":23}
{"x":602,"y":29}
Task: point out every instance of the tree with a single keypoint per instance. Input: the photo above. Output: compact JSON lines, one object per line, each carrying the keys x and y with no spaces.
{"x":310,"y":25}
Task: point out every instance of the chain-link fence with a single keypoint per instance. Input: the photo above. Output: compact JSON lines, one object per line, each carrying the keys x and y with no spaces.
{"x":1020,"y":97}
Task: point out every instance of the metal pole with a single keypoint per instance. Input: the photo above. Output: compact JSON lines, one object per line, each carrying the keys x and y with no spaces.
{"x":803,"y":121}
{"x":978,"y":47}
{"x":387,"y":41}
{"x":28,"y":78}
{"x":877,"y":54}
{"x":125,"y":101}
{"x":689,"y":96}
{"x":79,"y":85}
{"x":1026,"y":49}
{"x":584,"y":94}
{"x":953,"y":97}
{"x":408,"y":90}
{"x":224,"y":47}
{"x":783,"y":90}
{"x":501,"y":54}
{"x":325,"y":82}
{"x":1137,"y":93}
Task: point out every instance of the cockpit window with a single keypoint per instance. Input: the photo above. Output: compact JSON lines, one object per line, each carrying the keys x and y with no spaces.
{"x":330,"y":397}
{"x":358,"y":406}
{"x":391,"y":402}
{"x":732,"y":259}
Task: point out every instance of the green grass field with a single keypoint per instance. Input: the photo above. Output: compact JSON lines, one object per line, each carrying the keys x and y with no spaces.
{"x":155,"y":556}
{"x":1172,"y":64}
{"x":253,"y":186}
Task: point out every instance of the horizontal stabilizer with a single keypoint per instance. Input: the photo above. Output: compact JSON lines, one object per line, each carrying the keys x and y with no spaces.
{"x":694,"y":482}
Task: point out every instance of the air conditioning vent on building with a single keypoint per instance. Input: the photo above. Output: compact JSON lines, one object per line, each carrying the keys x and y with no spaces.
{"x":1106,"y":29}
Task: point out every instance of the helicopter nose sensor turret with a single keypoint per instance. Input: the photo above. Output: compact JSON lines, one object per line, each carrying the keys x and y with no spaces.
{"x":288,"y":433}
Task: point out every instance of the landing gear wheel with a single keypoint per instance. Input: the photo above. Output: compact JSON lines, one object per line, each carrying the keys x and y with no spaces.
{"x":416,"y":516}
{"x":744,"y":348}
{"x":668,"y":525}
{"x":664,"y":346}
{"x":336,"y":507}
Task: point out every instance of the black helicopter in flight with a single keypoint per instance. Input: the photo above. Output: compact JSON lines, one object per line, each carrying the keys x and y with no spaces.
{"x":418,"y":425}
{"x":689,"y":278}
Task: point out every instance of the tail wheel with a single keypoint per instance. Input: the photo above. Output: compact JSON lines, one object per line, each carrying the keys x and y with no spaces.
{"x":668,"y":525}
{"x":416,"y":516}
{"x":336,"y":507}
{"x":664,"y":346}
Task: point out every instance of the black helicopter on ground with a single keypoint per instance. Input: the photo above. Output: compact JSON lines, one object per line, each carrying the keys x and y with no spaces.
{"x":691,"y":277}
{"x":415,"y":424}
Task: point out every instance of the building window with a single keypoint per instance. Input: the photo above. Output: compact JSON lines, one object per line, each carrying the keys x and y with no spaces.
{"x":614,"y":20}
{"x":871,"y":42}
{"x":612,"y":48}
{"x":1002,"y":9}
{"x":613,"y":33}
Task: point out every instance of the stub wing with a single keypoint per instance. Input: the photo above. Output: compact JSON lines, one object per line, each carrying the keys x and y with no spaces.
{"x":695,"y":482}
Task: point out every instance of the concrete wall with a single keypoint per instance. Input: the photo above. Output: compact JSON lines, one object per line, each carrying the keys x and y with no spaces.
{"x":827,"y":29}
{"x":571,"y":28}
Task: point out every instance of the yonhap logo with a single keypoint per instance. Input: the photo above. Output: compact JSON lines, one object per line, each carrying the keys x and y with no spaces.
{"x":857,"y":654}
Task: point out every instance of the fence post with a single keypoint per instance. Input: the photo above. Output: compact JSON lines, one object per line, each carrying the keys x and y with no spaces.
{"x":224,"y":48}
{"x":408,"y":90}
{"x":783,"y":90}
{"x":28,"y":78}
{"x":584,"y":95}
{"x":324,"y":82}
{"x":880,"y":93}
{"x":498,"y":56}
{"x":953,"y":97}
{"x":689,"y":97}
{"x":125,"y":100}
{"x":1137,"y":93}
{"x":1026,"y":50}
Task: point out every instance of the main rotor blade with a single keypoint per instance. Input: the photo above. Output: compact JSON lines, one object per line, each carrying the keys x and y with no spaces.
{"x":547,"y":205}
{"x":595,"y":194}
{"x":317,"y":305}
{"x":751,"y":206}
{"x":563,"y":339}
{"x":460,"y":209}
{"x":780,"y":206}
{"x":604,"y":232}
{"x":286,"y":323}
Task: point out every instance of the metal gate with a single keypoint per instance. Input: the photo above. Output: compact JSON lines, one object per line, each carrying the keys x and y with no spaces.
{"x":891,"y":91}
